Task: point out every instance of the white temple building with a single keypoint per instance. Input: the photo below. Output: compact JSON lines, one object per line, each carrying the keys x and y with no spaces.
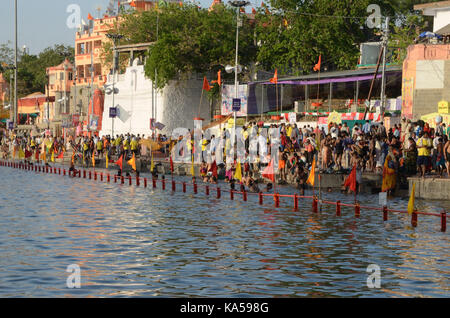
{"x":176,"y":105}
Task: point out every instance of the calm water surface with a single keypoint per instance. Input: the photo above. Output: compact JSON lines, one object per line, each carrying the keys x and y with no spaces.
{"x":131,"y":241}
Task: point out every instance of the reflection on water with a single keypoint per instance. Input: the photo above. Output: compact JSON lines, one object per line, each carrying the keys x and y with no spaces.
{"x":131,"y":241}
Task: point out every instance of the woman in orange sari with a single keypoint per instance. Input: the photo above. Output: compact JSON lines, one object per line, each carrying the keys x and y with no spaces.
{"x":389,"y":173}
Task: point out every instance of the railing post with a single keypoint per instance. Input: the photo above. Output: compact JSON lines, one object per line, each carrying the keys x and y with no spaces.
{"x":276,"y":198}
{"x":357,"y":210}
{"x":207,"y":190}
{"x":244,"y":196}
{"x":184,"y":187}
{"x":231,"y":195}
{"x":218,"y":193}
{"x":338,"y":208}
{"x":154,"y":183}
{"x":315,"y":205}
{"x":138,"y":182}
{"x":295,"y":202}
{"x":414,"y":219}
{"x":173,"y":186}
{"x":385,"y":213}
{"x":145,"y":182}
{"x":195,"y":188}
{"x":443,"y":221}
{"x":261,"y":198}
{"x":163,"y":182}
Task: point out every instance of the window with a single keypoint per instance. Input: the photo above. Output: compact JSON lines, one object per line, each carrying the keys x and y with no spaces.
{"x":98,"y":44}
{"x":70,"y":76}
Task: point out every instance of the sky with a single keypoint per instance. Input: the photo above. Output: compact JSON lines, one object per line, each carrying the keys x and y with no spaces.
{"x":43,"y":23}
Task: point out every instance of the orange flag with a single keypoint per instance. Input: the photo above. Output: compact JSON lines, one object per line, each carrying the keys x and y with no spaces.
{"x":119,"y":162}
{"x":350,"y":182}
{"x":253,"y":11}
{"x":90,"y":17}
{"x":317,"y":66}
{"x":206,"y":86}
{"x":268,"y":172}
{"x":274,"y":79}
{"x":133,"y":4}
{"x":132,"y":162}
{"x":312,"y":174}
{"x":219,"y":79}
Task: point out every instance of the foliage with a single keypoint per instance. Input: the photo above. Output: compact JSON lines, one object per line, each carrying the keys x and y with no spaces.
{"x":188,"y":40}
{"x":31,"y":69}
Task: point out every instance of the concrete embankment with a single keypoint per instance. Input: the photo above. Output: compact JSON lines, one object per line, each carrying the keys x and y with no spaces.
{"x":430,"y":188}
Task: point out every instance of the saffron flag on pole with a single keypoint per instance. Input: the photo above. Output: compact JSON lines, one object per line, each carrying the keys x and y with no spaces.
{"x":411,"y":199}
{"x":350,"y":182}
{"x":312,"y":174}
{"x":152,"y":166}
{"x":90,"y":17}
{"x":132,"y":162}
{"x":206,"y":86}
{"x":274,"y":79}
{"x":268,"y":172}
{"x":21,"y":154}
{"x":119,"y":162}
{"x":133,"y":4}
{"x":192,"y":167}
{"x":219,"y":80}
{"x":317,"y":66}
{"x":238,"y":172}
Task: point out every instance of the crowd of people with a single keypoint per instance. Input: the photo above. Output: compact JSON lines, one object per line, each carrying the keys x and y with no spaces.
{"x":406,"y":149}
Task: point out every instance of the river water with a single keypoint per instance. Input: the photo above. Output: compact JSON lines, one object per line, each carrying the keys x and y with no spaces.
{"x":136,"y":242}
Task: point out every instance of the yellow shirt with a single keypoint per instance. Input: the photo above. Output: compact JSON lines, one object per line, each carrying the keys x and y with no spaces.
{"x":422,"y":145}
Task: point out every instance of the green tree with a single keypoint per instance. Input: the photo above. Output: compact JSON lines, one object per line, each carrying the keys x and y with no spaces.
{"x":188,"y":40}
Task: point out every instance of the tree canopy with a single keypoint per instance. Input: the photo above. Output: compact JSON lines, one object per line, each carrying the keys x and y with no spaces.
{"x":289,"y":36}
{"x":31,"y":69}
